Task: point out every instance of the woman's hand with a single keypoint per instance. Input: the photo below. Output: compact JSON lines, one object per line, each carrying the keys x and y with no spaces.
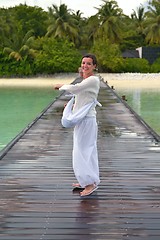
{"x":57,"y":86}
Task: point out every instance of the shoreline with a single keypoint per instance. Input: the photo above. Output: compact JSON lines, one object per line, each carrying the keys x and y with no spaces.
{"x":123,"y":80}
{"x":38,"y":81}
{"x":131,"y":81}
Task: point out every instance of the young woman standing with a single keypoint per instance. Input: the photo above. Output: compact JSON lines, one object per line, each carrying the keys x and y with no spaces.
{"x":85,"y":157}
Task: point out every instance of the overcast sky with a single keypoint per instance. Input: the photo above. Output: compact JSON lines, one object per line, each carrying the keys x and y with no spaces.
{"x":85,"y":6}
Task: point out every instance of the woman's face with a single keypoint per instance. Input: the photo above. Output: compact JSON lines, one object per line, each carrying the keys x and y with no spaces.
{"x":87,"y":66}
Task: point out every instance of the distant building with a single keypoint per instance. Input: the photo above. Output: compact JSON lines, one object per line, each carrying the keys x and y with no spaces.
{"x":149,"y":53}
{"x":130,"y":54}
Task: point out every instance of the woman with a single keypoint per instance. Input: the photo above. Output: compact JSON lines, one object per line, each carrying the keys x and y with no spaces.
{"x":85,"y":157}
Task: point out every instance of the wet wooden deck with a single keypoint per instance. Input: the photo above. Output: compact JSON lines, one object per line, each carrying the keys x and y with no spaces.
{"x":36,"y":197}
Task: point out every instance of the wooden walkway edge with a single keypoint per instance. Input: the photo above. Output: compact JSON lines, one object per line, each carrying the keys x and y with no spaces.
{"x":36,"y":197}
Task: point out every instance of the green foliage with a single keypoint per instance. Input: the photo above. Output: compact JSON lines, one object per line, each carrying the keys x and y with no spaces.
{"x":21,"y":47}
{"x":155,"y":67}
{"x":57,"y":56}
{"x":132,"y":41}
{"x":135,"y":65}
{"x":152,"y":23}
{"x":40,"y":42}
{"x":110,"y":23}
{"x":30,"y":18}
{"x":11,"y":68}
{"x":108,"y":55}
{"x":7,"y":27}
{"x":62,"y":23}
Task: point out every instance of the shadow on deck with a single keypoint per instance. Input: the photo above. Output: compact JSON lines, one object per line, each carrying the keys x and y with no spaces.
{"x":36,"y":197}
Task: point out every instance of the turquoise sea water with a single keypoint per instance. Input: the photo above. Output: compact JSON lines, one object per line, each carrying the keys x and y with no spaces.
{"x":146,"y":103}
{"x":19,"y":107}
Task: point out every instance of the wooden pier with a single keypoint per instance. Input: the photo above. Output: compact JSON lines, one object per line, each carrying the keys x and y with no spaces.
{"x":36,"y":197}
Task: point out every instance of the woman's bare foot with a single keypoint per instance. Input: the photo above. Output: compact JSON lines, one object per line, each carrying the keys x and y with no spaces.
{"x":89,"y":189}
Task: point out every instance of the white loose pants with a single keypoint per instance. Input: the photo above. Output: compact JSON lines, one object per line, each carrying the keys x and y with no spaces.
{"x":85,"y":157}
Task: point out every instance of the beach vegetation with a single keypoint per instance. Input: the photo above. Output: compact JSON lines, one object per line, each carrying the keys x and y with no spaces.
{"x":56,"y":56}
{"x":34,"y":41}
{"x":155,"y":67}
{"x":152,"y":23}
{"x":134,"y":65}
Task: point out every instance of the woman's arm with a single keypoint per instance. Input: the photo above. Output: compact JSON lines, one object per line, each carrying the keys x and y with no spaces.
{"x":85,"y":85}
{"x":91,"y":83}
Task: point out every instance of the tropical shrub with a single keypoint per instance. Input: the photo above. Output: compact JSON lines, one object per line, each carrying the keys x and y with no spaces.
{"x":56,"y":56}
{"x":155,"y":67}
{"x":108,"y":55}
{"x":11,"y":68}
{"x":135,"y":65}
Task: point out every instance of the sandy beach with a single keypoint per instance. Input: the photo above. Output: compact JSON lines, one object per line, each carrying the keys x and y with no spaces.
{"x":124,"y":81}
{"x":38,"y":81}
{"x":133,"y":81}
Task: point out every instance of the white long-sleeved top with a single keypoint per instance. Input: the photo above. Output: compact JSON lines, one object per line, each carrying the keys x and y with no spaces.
{"x":85,"y":92}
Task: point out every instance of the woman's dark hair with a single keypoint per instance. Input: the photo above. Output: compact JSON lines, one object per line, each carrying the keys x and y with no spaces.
{"x":92,"y":56}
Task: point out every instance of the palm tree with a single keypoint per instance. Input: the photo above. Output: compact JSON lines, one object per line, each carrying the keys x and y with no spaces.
{"x":80,"y":24}
{"x":62,"y":23}
{"x":139,"y":17}
{"x":152,"y":23}
{"x":21,"y":47}
{"x":91,"y":29}
{"x":110,"y":21}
